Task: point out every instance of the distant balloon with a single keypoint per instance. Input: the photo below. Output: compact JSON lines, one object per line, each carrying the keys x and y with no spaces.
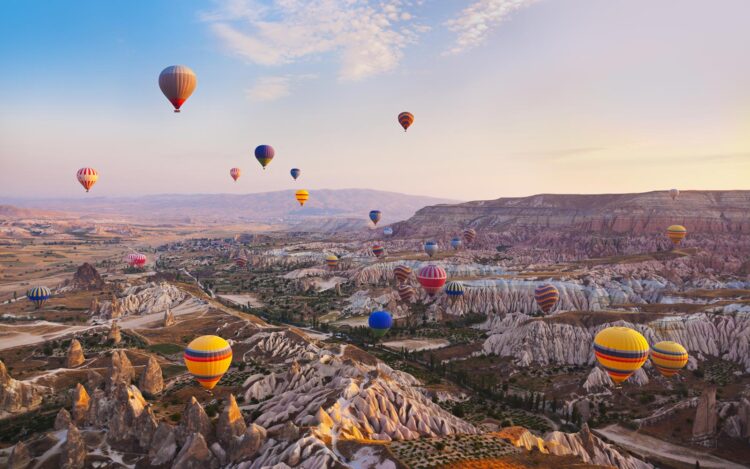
{"x":264,"y":154}
{"x":380,"y":322}
{"x":546,"y":297}
{"x":432,"y":278}
{"x":177,"y":82}
{"x":87,"y":177}
{"x":235,"y":173}
{"x":674,"y":193}
{"x":406,"y":119}
{"x":621,"y":351}
{"x":669,"y":357}
{"x":207,"y":358}
{"x":295,"y":172}
{"x":456,"y":243}
{"x":470,"y":234}
{"x":378,"y":250}
{"x":38,"y":296}
{"x":406,"y":293}
{"x":431,"y":247}
{"x":676,"y":233}
{"x":402,"y":273}
{"x":240,"y":258}
{"x":454,"y":290}
{"x":375,"y":216}
{"x":135,"y":259}
{"x":332,"y":261}
{"x":388,"y":231}
{"x":302,"y":196}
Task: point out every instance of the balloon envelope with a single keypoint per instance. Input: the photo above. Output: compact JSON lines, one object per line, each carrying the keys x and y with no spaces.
{"x":676,"y":233}
{"x":38,"y":295}
{"x":431,"y":247}
{"x":302,"y":196}
{"x":375,"y":216}
{"x":380,"y":322}
{"x":546,"y":297}
{"x":456,"y":243}
{"x":378,"y":250}
{"x":406,"y":119}
{"x":621,"y":351}
{"x":387,"y":231}
{"x":454,"y":290}
{"x":470,"y":234}
{"x":264,"y":154}
{"x":295,"y":172}
{"x":87,"y":177}
{"x":432,"y":278}
{"x":207,"y":358}
{"x":402,"y":273}
{"x":669,"y":357}
{"x":235,"y":173}
{"x":406,"y":292}
{"x":177,"y":82}
{"x":332,"y":261}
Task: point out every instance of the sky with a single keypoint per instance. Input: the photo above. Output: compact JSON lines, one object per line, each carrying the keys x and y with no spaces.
{"x":510,"y":97}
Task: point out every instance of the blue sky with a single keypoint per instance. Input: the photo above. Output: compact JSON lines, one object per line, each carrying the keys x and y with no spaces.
{"x":511,"y":97}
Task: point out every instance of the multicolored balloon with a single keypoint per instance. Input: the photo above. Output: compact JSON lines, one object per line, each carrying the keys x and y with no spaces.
{"x":332,"y":261}
{"x":406,"y":119}
{"x":378,"y":250}
{"x":456,"y":243}
{"x":207,"y":358}
{"x":546,"y":297}
{"x":375,"y":216}
{"x":406,"y":293}
{"x":380,"y":322}
{"x":87,"y":177}
{"x":432,"y":278}
{"x":235,"y":173}
{"x":295,"y":172}
{"x":177,"y":82}
{"x":470,"y":234}
{"x":38,"y":295}
{"x":388,"y":231}
{"x":135,"y":259}
{"x":676,"y":233}
{"x":455,"y":290}
{"x":264,"y":154}
{"x":302,"y":196}
{"x":431,"y":248}
{"x":669,"y":357}
{"x":621,"y":351}
{"x":402,"y":273}
{"x":674,"y":193}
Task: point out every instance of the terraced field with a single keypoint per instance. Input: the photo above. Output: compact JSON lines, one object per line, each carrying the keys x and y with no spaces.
{"x":443,"y":452}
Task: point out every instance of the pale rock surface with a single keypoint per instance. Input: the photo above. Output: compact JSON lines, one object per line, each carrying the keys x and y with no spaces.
{"x":195,"y":454}
{"x":706,"y":415}
{"x":169,"y":319}
{"x":20,"y":458}
{"x":115,"y":335}
{"x":231,"y":423}
{"x":163,"y":445}
{"x":120,"y":369}
{"x":18,"y":396}
{"x":62,"y":420}
{"x":194,"y":420}
{"x":73,"y":455}
{"x":81,"y":402}
{"x":74,"y":355}
{"x":591,"y":449}
{"x":151,"y":382}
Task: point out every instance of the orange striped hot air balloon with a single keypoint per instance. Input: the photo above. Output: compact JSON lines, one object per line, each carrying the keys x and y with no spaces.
{"x":669,"y":357}
{"x":302,"y":196}
{"x":406,"y":292}
{"x":87,"y":177}
{"x":402,"y":273}
{"x":235,"y":173}
{"x":406,"y":119}
{"x":546,"y":297}
{"x":621,"y":351}
{"x":207,"y":358}
{"x":332,"y":261}
{"x":676,"y":233}
{"x":177,"y":82}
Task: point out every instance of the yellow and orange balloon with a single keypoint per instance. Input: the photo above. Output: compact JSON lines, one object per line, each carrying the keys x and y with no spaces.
{"x":302,"y":196}
{"x":207,"y":358}
{"x":669,"y":357}
{"x":676,"y":233}
{"x":621,"y":351}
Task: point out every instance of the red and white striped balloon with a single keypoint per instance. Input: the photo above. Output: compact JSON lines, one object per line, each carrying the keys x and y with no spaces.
{"x":235,"y":173}
{"x":87,"y":177}
{"x":432,"y":278}
{"x":135,"y":259}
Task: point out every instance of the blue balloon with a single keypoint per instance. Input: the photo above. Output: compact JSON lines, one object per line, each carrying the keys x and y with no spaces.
{"x":456,"y":243}
{"x":387,"y":231}
{"x":295,"y":172}
{"x":380,"y":320}
{"x":375,"y":216}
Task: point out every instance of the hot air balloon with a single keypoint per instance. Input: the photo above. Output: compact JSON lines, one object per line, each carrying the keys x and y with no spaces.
{"x":546,"y":297}
{"x":669,"y":357}
{"x":240,"y":258}
{"x":431,"y":247}
{"x":87,"y":177}
{"x":177,"y":82}
{"x":454,"y":290}
{"x":295,"y":172}
{"x":676,"y":233}
{"x":375,"y":216}
{"x":302,"y":196}
{"x":235,"y":173}
{"x":380,"y":322}
{"x":207,"y":358}
{"x":135,"y":259}
{"x":264,"y":154}
{"x":388,"y":231}
{"x":620,"y":351}
{"x":406,"y":119}
{"x":332,"y":261}
{"x":406,"y":293}
{"x":402,"y":273}
{"x":432,"y":278}
{"x":38,"y":295}
{"x":378,"y":250}
{"x":674,"y":193}
{"x":470,"y":234}
{"x":456,"y":243}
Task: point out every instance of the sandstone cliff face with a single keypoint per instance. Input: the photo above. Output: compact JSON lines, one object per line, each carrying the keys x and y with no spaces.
{"x":591,"y":449}
{"x":18,"y":396}
{"x":143,"y":299}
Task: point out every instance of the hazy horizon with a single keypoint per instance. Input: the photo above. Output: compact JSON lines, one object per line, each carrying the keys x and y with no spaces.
{"x":511,"y":98}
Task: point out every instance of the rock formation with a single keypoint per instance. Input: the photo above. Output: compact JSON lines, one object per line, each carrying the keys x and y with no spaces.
{"x":114,"y":333}
{"x":151,"y":382}
{"x":115,"y":308}
{"x":169,"y":319}
{"x":81,"y":402}
{"x":94,"y":380}
{"x":195,"y":454}
{"x":163,"y":446}
{"x":120,"y":369}
{"x":74,"y":356}
{"x":704,"y":424}
{"x":73,"y":454}
{"x":591,"y":449}
{"x":62,"y":420}
{"x":18,"y":396}
{"x":19,"y":457}
{"x":231,"y":423}
{"x":87,"y":278}
{"x":194,"y":420}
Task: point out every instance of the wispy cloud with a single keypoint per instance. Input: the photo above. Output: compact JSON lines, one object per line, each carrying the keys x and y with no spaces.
{"x":271,"y":88}
{"x":476,"y":21}
{"x":366,"y":36}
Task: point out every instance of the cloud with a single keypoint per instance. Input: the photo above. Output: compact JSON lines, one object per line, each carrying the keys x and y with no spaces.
{"x":476,"y":21}
{"x":269,"y":89}
{"x":366,"y":36}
